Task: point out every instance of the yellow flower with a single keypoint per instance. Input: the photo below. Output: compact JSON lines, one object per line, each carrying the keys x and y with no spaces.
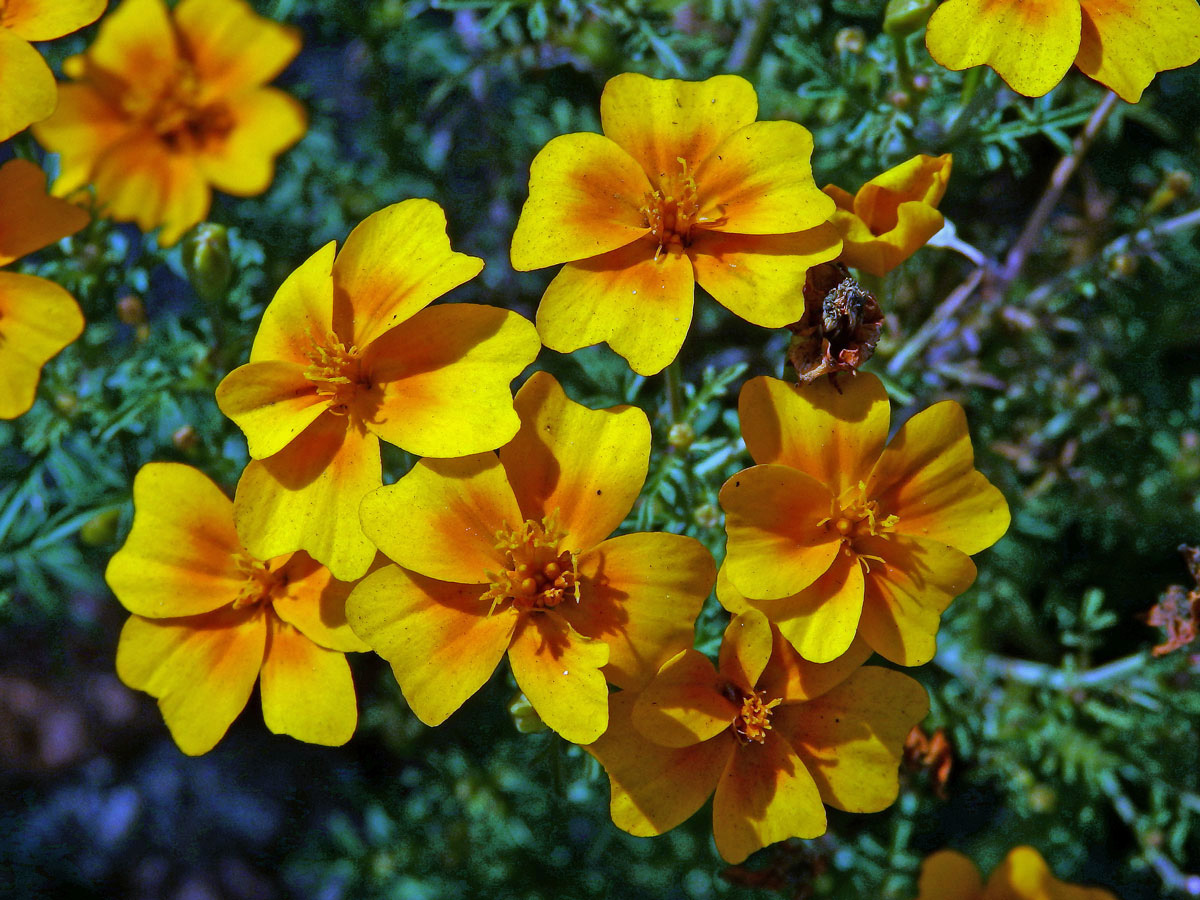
{"x":832,"y":534}
{"x":37,"y":317}
{"x":166,"y":106}
{"x":30,"y":93}
{"x":683,"y":187}
{"x":347,"y":354}
{"x":1023,"y":875}
{"x":776,"y":737}
{"x":892,"y":215}
{"x":1122,"y":44}
{"x":509,"y":554}
{"x":209,"y":619}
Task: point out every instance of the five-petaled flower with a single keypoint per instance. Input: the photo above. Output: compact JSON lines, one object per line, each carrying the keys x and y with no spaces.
{"x":510,"y":554}
{"x":1024,"y":875}
{"x":831,"y":534}
{"x":684,"y":186}
{"x":1122,"y":44}
{"x":37,"y":317}
{"x":209,"y":619}
{"x":892,"y":215}
{"x":775,"y":736}
{"x":347,"y":354}
{"x":167,"y":105}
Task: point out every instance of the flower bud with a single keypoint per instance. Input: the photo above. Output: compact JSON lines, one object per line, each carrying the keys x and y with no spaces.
{"x":207,"y":261}
{"x":185,"y":439}
{"x":101,"y":528}
{"x":904,"y":17}
{"x":131,"y":310}
{"x":524,"y":716}
{"x":850,"y":40}
{"x":681,"y":435}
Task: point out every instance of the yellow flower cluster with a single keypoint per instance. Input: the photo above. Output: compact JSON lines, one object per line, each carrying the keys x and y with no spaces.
{"x":1023,"y":875}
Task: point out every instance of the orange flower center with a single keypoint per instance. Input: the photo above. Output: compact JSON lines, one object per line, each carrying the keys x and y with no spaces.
{"x":538,"y":576}
{"x":177,"y":114}
{"x":671,"y":211}
{"x":857,"y":517}
{"x":261,"y":583}
{"x":336,"y":372}
{"x":754,"y":720}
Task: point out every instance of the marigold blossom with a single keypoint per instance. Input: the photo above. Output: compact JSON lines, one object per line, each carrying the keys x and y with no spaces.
{"x":347,"y":354}
{"x":832,"y":534}
{"x":892,"y":215}
{"x":777,"y":738}
{"x":209,"y":619}
{"x":166,"y":105}
{"x":683,"y":187}
{"x":1024,"y":875}
{"x":509,"y":554}
{"x":1122,"y":44}
{"x":37,"y":317}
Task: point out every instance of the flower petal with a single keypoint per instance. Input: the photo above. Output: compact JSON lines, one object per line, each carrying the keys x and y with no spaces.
{"x":438,"y":637}
{"x":32,"y":219}
{"x":947,"y":875}
{"x":202,"y":669}
{"x":1025,"y":874}
{"x":30,"y":91}
{"x":584,"y":466}
{"x":441,"y":519}
{"x":559,"y":671}
{"x":232,"y":47}
{"x":37,"y":319}
{"x":640,"y":306}
{"x":793,"y":678}
{"x":394,"y":263}
{"x":84,"y":125}
{"x":272,"y":402}
{"x":878,"y":254}
{"x":265,"y":122}
{"x":684,"y":704}
{"x":1125,"y":43}
{"x":745,"y":649}
{"x":301,"y":310}
{"x":927,"y":477}
{"x":585,"y":199}
{"x":921,"y":179}
{"x":45,"y":20}
{"x":307,"y":691}
{"x":315,"y":603}
{"x":440,"y":380}
{"x":137,"y":43}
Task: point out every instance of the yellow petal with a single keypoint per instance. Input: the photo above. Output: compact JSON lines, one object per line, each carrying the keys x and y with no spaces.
{"x":640,"y":594}
{"x":180,"y":558}
{"x":37,"y":319}
{"x":832,"y":433}
{"x":137,"y":43}
{"x":1025,"y":874}
{"x":232,"y":47}
{"x":201,"y":668}
{"x":301,"y":310}
{"x":921,"y":179}
{"x":307,"y":691}
{"x":1125,"y":43}
{"x":439,"y":638}
{"x":559,"y":671}
{"x":32,"y":219}
{"x":45,"y":20}
{"x":640,"y":306}
{"x":265,"y":122}
{"x":947,"y":875}
{"x":442,"y":517}
{"x":29,"y":93}
{"x":760,"y":278}
{"x":793,"y":678}
{"x":1029,"y":44}
{"x":440,"y":380}
{"x":315,"y":603}
{"x":271,"y":402}
{"x":775,"y":545}
{"x":394,"y":263}
{"x":745,"y":649}
{"x":765,"y":795}
{"x":660,"y":122}
{"x":585,"y":199}
{"x":916,"y":223}
{"x":684,"y":704}
{"x":851,"y":738}
{"x":927,"y":477}
{"x":654,"y":788}
{"x":84,"y":125}
{"x":306,"y":497}
{"x":584,"y":466}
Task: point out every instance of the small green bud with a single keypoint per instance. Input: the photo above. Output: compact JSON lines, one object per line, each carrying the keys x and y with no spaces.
{"x":101,"y":528}
{"x":524,"y":716}
{"x":850,"y":40}
{"x":681,"y":435}
{"x":905,"y":17}
{"x":207,"y":261}
{"x":707,"y":516}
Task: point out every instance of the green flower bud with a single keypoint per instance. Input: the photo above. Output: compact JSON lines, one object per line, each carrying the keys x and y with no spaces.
{"x":207,"y":261}
{"x":904,"y":17}
{"x":101,"y":528}
{"x":524,"y":716}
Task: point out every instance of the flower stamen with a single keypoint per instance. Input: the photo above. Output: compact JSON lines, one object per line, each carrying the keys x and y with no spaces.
{"x":260,"y":582}
{"x":673,"y":209}
{"x":754,"y":719}
{"x":336,"y":372}
{"x":538,"y":576}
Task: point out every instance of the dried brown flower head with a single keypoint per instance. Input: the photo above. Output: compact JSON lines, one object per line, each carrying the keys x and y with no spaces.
{"x":840,"y":327}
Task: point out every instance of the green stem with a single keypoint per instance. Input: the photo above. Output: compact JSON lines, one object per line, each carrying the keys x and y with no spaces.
{"x":903,"y":64}
{"x":674,"y":391}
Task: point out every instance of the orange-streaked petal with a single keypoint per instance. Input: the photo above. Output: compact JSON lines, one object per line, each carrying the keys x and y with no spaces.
{"x":201,"y":668}
{"x":301,"y":310}
{"x":29,"y":93}
{"x":745,"y":649}
{"x":441,"y":518}
{"x":833,"y":433}
{"x":1025,"y":874}
{"x":232,"y":47}
{"x":1030,"y":45}
{"x":84,"y":125}
{"x":775,"y":545}
{"x":640,"y":594}
{"x":1125,"y":43}
{"x":45,"y":20}
{"x":640,"y":306}
{"x":394,"y":263}
{"x":137,"y":43}
{"x":440,"y":380}
{"x":793,"y":678}
{"x":439,"y":637}
{"x":916,"y":223}
{"x":765,"y":795}
{"x":37,"y":319}
{"x":927,"y":477}
{"x":585,"y":199}
{"x":921,"y":179}
{"x":272,"y":402}
{"x":684,"y":704}
{"x":559,"y":671}
{"x":266,"y":122}
{"x":584,"y":466}
{"x":307,"y":691}
{"x":306,"y":497}
{"x":947,"y":875}
{"x":32,"y":219}
{"x":315,"y":602}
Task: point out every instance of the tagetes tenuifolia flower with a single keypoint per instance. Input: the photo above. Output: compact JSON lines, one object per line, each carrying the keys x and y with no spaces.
{"x":166,"y":105}
{"x":29,"y":93}
{"x":509,"y":554}
{"x":892,"y":215}
{"x":346,"y":355}
{"x":832,"y":534}
{"x":1023,"y":875}
{"x":1122,"y":44}
{"x":683,"y":187}
{"x":209,"y":619}
{"x":37,"y":317}
{"x":776,"y":737}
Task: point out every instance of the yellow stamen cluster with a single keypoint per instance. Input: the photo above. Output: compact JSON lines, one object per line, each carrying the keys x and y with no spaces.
{"x":260,"y":582}
{"x":754,"y":720}
{"x":857,"y":516}
{"x":671,"y":210}
{"x":178,"y":116}
{"x":336,"y":371}
{"x":538,"y":575}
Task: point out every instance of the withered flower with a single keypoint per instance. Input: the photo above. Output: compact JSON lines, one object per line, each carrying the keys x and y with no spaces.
{"x":840,"y":327}
{"x":1178,"y":609}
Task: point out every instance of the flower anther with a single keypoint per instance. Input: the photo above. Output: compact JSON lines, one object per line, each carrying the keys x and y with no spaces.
{"x":673,"y":209}
{"x":336,"y":371}
{"x":538,"y":575}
